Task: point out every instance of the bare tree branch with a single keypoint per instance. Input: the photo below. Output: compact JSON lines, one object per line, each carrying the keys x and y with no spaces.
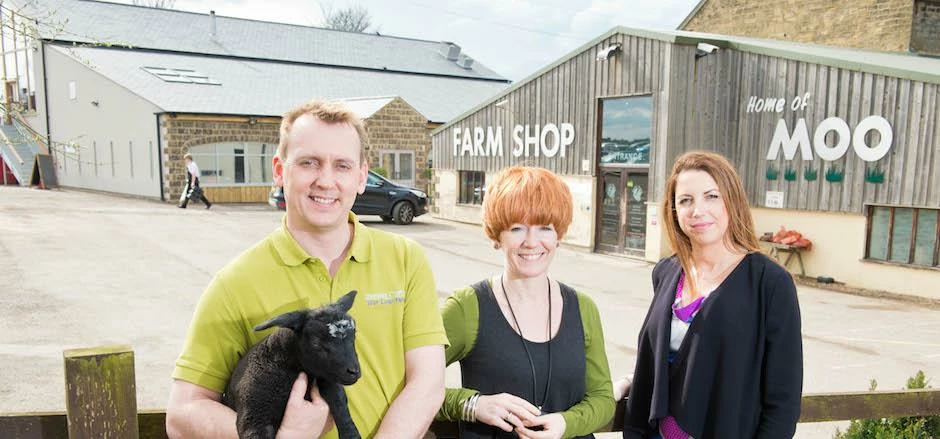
{"x":159,"y":4}
{"x":355,"y":18}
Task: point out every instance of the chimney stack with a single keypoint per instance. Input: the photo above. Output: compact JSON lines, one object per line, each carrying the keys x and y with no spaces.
{"x":449,"y":50}
{"x":212,"y":30}
{"x":465,"y":61}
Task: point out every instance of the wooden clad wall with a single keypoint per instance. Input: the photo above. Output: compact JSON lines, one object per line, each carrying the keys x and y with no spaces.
{"x":237,"y":194}
{"x":716,"y":119}
{"x":566,"y":93}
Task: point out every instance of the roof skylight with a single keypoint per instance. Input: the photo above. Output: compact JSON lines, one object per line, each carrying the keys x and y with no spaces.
{"x":185,"y":76}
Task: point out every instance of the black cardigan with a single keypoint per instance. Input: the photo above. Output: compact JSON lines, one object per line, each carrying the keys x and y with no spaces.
{"x":738,"y":372}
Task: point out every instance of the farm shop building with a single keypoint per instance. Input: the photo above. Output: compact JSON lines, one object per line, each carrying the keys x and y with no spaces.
{"x":840,"y":144}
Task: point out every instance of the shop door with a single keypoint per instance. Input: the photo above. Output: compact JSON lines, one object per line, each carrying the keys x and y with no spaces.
{"x":623,"y":212}
{"x":400,"y":166}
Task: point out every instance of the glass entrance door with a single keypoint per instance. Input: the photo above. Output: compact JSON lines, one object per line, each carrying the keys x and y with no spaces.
{"x":622,"y":227}
{"x":635,"y":191}
{"x":611,"y":211}
{"x":400,"y":166}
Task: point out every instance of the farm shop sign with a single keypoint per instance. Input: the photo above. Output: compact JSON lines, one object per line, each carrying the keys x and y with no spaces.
{"x":547,"y":140}
{"x":798,"y":139}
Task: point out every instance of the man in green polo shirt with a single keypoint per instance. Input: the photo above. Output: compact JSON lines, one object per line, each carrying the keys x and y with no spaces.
{"x":320,"y":253}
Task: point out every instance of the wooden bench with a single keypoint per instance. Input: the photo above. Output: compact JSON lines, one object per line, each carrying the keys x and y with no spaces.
{"x":776,"y":249}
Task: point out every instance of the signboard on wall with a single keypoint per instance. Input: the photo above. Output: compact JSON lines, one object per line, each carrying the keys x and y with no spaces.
{"x":549,"y":140}
{"x":870,"y":139}
{"x":773,"y":199}
{"x":789,"y":141}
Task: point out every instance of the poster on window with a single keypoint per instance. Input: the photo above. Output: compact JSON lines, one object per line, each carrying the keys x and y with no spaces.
{"x":636,"y":192}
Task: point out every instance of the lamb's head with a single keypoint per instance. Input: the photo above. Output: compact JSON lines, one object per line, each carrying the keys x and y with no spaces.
{"x":326,"y":339}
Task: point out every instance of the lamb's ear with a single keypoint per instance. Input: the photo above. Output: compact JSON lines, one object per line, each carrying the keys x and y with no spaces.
{"x":293,"y":320}
{"x":346,"y":302}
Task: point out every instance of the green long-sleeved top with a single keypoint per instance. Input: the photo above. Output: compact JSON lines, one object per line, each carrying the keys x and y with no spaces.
{"x":596,"y":408}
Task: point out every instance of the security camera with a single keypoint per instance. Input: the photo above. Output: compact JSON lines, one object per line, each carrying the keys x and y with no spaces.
{"x":706,"y":48}
{"x":608,"y":51}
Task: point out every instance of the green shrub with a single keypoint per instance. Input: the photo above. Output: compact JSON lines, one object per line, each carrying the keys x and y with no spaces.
{"x":898,"y":428}
{"x":380,"y":170}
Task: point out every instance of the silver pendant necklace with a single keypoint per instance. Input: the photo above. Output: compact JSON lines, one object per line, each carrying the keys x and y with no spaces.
{"x":548,"y":379}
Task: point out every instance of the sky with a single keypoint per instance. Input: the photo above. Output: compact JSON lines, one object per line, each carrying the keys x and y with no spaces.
{"x":514,"y":38}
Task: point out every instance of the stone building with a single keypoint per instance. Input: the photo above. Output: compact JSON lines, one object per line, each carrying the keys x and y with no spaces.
{"x":117,"y":100}
{"x":893,"y":25}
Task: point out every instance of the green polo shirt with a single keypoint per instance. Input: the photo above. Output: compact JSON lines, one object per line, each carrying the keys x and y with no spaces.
{"x":395,"y":310}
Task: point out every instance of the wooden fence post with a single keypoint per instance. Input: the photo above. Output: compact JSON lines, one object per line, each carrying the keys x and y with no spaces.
{"x":100,"y":393}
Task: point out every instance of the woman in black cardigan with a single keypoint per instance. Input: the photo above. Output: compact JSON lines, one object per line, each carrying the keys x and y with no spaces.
{"x":720,"y":353}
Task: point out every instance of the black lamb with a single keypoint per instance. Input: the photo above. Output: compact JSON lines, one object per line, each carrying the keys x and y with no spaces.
{"x":319,"y":342}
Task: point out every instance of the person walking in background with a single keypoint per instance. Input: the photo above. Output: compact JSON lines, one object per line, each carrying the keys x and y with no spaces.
{"x":531,"y":349}
{"x":193,"y":190}
{"x":720,"y":354}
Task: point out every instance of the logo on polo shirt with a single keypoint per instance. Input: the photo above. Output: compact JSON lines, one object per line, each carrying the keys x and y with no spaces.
{"x":385,"y":298}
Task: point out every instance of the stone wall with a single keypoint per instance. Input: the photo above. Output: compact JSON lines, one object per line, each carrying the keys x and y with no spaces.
{"x":399,"y":127}
{"x":180,"y":132}
{"x":868,"y":24}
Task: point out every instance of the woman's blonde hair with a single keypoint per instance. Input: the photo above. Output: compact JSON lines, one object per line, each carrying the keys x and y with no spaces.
{"x":740,"y":234}
{"x":326,"y":111}
{"x":526,"y":195}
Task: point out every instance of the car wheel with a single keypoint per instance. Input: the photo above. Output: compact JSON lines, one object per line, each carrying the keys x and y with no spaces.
{"x":403,"y":213}
{"x":386,"y":218}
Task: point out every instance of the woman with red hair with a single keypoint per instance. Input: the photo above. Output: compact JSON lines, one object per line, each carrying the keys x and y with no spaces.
{"x":531,"y":349}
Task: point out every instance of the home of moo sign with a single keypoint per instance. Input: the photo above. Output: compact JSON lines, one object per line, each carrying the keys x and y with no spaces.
{"x":549,"y":140}
{"x":799,"y":140}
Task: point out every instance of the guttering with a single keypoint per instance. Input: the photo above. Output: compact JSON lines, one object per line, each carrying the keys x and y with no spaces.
{"x":159,"y":153}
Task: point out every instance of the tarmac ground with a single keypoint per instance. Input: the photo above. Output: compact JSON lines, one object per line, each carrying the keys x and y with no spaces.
{"x":81,"y":269}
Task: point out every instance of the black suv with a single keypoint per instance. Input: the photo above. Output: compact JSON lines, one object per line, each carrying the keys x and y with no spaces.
{"x":382,"y":197}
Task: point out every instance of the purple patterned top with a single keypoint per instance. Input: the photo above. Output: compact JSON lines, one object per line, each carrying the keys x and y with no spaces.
{"x":685,"y":313}
{"x":668,"y":427}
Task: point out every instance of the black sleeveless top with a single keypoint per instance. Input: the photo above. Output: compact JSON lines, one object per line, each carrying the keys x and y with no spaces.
{"x":498,"y":362}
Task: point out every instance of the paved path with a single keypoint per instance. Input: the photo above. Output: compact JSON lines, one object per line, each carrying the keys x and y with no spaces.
{"x":81,"y":269}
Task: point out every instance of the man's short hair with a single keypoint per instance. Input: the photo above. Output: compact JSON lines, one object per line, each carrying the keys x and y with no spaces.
{"x":326,"y":111}
{"x":187,"y":156}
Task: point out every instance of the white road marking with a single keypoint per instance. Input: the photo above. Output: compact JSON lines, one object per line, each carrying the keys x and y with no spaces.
{"x":879,"y":341}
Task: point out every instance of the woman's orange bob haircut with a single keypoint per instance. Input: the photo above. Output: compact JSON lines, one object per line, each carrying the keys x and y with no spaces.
{"x":526,"y":195}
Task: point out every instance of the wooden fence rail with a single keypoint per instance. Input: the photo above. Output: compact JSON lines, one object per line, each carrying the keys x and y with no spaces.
{"x":113,"y":369}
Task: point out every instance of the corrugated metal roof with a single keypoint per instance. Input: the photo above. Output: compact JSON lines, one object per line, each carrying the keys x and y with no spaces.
{"x":896,"y":64}
{"x":266,"y":88}
{"x":171,"y":30}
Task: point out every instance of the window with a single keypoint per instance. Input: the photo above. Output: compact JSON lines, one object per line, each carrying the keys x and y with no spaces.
{"x":185,"y":76}
{"x":472,"y":186}
{"x":399,"y":166}
{"x":18,"y":59}
{"x":904,"y":235}
{"x":625,"y":133}
{"x":373,"y":180}
{"x":234,"y":163}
